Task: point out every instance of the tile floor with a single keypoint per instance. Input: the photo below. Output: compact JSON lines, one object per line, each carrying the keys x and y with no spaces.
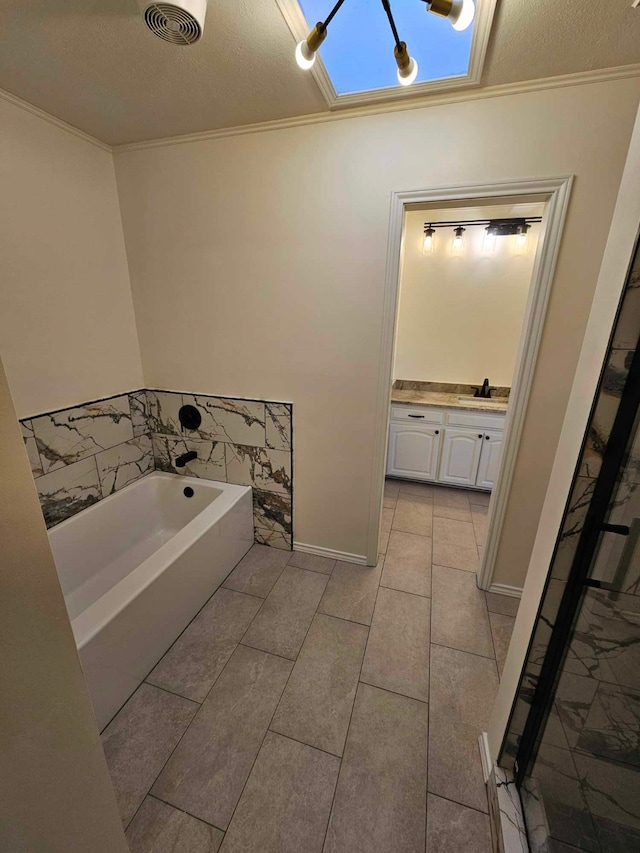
{"x":314,"y":706}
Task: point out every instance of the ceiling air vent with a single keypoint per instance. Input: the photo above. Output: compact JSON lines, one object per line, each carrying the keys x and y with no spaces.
{"x":180,"y":22}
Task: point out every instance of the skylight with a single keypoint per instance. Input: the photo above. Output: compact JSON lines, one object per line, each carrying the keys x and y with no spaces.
{"x":358,"y":53}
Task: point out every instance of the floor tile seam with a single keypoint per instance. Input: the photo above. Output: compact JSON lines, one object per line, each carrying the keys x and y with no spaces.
{"x":157,"y":776}
{"x":462,"y":651}
{"x":353,"y":704}
{"x":393,"y":692}
{"x":185,"y":811}
{"x":405,"y":591}
{"x":268,"y":652}
{"x":468,"y":571}
{"x":267,"y":730}
{"x":458,"y":803}
{"x":259,"y":611}
{"x":305,"y":743}
{"x":172,"y":692}
{"x":412,"y":532}
{"x":426,"y":792}
{"x":241,"y":592}
{"x":343,"y":619}
{"x":307,"y":569}
{"x":145,"y":680}
{"x":200,"y":705}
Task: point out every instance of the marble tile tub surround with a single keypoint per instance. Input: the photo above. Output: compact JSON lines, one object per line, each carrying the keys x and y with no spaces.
{"x":84,"y":453}
{"x":247,"y":442}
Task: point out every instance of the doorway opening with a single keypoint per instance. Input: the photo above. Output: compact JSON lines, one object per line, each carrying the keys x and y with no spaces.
{"x":448,"y":345}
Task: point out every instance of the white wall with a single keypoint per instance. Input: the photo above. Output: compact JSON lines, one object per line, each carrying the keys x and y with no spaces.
{"x":257,"y":265}
{"x":460,"y":317}
{"x":55,"y":791}
{"x":619,"y":250}
{"x":67,"y":329}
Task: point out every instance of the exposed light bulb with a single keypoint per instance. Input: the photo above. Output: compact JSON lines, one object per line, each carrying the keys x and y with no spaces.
{"x":306,"y":50}
{"x":462,"y":14}
{"x":407,"y":76}
{"x":522,"y":242}
{"x":305,"y":57}
{"x":429,"y":241}
{"x":407,"y":66}
{"x":489,"y":243}
{"x":458,"y":241}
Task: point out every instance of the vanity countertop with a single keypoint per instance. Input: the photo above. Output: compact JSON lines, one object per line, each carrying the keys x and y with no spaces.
{"x":423,"y":396}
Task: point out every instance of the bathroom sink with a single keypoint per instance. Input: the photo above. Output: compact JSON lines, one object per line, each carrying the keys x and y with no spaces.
{"x":482,"y":402}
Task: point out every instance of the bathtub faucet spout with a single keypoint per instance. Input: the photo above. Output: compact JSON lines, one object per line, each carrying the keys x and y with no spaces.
{"x":181,"y":461}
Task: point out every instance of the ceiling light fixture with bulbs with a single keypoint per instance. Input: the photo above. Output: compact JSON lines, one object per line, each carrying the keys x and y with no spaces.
{"x":459,"y":12}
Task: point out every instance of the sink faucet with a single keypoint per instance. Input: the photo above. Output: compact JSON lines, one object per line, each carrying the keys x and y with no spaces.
{"x":181,"y":461}
{"x":485,"y":391}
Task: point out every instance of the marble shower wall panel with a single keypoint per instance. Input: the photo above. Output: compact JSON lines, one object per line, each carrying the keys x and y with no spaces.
{"x":82,"y":454}
{"x":247,"y":442}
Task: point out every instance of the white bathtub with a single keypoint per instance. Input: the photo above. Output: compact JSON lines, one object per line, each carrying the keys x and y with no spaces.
{"x":136,"y":568}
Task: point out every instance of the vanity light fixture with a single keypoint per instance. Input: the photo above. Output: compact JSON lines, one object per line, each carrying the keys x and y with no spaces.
{"x":516,"y":227}
{"x":429,"y":240}
{"x":460,"y":12}
{"x":488,"y":243}
{"x":522,"y":240}
{"x":458,"y":240}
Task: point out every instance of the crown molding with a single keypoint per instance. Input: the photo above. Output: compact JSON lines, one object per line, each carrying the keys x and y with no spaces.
{"x":45,"y":116}
{"x":582,"y":78}
{"x":299,"y":26}
{"x":604,"y":75}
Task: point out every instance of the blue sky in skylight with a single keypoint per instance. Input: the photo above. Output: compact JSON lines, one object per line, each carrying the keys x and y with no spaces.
{"x":358,"y":50}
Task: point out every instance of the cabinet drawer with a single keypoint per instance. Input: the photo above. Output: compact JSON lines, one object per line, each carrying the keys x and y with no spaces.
{"x":475,"y":420}
{"x":419,"y":415}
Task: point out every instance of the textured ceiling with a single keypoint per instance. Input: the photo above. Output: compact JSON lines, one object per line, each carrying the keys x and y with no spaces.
{"x":94,"y":64}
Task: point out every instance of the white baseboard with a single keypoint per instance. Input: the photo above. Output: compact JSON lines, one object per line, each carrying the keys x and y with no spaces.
{"x":505,"y":589}
{"x":344,"y":556}
{"x":485,"y":757}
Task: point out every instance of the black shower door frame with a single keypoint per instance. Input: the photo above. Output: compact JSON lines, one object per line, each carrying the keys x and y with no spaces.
{"x":579,"y":579}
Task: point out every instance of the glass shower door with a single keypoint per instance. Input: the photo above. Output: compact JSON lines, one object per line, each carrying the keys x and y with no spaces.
{"x":574,"y":734}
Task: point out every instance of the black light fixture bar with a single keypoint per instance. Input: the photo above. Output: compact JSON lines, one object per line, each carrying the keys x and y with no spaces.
{"x":464,"y":223}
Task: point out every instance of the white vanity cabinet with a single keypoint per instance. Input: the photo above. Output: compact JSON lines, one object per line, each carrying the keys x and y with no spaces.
{"x":454,"y":446}
{"x":460,"y":456}
{"x":489,"y":460}
{"x":415,"y":437}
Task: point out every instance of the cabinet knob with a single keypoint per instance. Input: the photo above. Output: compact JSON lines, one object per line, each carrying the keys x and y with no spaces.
{"x":487,"y":437}
{"x":479,"y":435}
{"x":437,"y":432}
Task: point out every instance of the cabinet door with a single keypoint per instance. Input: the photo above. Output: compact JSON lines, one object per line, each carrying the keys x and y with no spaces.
{"x":489,"y":460}
{"x":413,"y":451}
{"x":460,"y":456}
